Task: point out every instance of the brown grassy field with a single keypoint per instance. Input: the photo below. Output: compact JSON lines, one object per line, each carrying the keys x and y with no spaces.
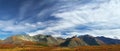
{"x":9,"y":47}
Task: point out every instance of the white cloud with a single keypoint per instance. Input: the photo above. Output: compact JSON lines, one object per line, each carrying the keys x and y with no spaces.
{"x":10,"y":26}
{"x":107,"y":33}
{"x":104,"y":15}
{"x":112,"y":33}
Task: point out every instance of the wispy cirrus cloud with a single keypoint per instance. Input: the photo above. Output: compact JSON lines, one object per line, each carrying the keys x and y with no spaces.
{"x":101,"y":17}
{"x":9,"y":27}
{"x":63,"y":18}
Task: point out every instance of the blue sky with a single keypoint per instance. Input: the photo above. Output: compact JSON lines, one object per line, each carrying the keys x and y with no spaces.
{"x":60,"y":18}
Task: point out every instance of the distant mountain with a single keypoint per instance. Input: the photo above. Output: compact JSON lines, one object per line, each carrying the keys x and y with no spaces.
{"x":48,"y":39}
{"x":85,"y":40}
{"x":41,"y":39}
{"x":18,"y":39}
{"x":73,"y":42}
{"x":23,"y":37}
{"x":109,"y":41}
{"x":90,"y":40}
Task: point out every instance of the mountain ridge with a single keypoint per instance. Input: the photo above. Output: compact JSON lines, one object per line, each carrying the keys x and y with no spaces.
{"x":84,"y":40}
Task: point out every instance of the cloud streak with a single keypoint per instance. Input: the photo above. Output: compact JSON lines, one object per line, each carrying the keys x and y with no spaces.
{"x":101,"y":17}
{"x":65,"y":18}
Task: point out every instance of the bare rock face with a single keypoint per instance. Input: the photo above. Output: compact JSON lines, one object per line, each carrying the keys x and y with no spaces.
{"x":73,"y":42}
{"x":18,"y":39}
{"x":42,"y":39}
{"x":90,"y":40}
{"x":85,"y":40}
{"x":60,"y":40}
{"x":24,"y":37}
{"x":109,"y":41}
{"x":48,"y":39}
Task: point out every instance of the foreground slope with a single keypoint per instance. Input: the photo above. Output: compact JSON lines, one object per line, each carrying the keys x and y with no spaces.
{"x":80,"y":48}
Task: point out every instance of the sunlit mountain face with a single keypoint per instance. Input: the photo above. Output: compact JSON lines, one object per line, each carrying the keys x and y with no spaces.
{"x":60,"y":18}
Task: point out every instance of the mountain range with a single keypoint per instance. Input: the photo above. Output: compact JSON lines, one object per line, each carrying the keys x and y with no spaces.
{"x":48,"y":40}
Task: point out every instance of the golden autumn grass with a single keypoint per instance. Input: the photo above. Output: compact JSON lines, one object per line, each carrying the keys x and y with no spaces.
{"x":9,"y":47}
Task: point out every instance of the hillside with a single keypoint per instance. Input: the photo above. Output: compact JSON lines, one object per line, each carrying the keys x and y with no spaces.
{"x":109,"y":41}
{"x":48,"y":40}
{"x":73,"y":42}
{"x":90,"y":40}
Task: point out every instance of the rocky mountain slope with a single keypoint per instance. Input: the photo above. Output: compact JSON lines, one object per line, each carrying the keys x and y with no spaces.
{"x":73,"y":42}
{"x":85,"y":40}
{"x":48,"y":39}
{"x":109,"y":41}
{"x":90,"y":40}
{"x":43,"y":39}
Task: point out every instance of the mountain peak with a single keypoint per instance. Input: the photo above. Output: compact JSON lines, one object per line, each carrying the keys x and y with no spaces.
{"x":86,"y":36}
{"x":73,"y":42}
{"x":91,"y":40}
{"x":74,"y":36}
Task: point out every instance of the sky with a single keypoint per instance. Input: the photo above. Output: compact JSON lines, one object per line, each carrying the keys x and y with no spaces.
{"x":60,"y":18}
